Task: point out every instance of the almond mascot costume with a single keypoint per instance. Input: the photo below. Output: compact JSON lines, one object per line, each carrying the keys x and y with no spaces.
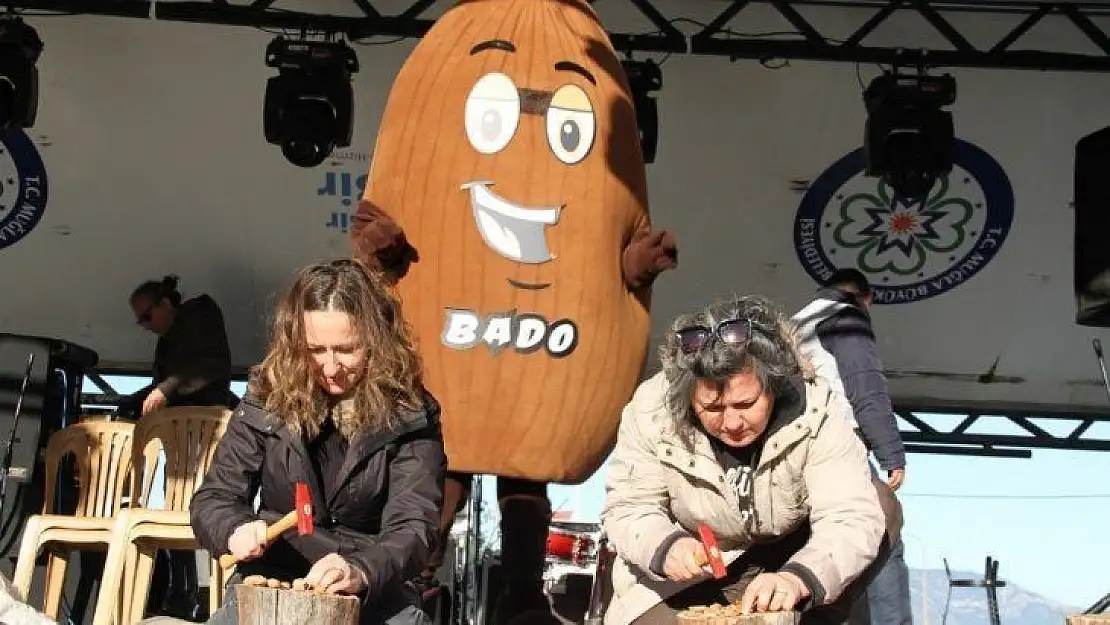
{"x":507,"y":196}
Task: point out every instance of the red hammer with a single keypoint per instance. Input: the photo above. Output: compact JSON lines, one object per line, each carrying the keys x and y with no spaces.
{"x":301,"y":517}
{"x":712,"y":551}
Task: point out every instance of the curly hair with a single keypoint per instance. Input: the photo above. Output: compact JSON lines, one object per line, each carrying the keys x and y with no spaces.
{"x":285,"y":381}
{"x":772,"y":352}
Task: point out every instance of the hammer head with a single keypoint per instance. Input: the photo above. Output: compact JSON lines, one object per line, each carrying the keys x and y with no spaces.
{"x":304,"y":509}
{"x":716,"y":562}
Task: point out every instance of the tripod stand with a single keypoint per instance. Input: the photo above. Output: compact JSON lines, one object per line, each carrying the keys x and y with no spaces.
{"x":6,"y":463}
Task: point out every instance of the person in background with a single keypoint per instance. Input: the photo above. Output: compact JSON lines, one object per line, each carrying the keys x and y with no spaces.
{"x":836,"y":335}
{"x":192,"y":367}
{"x":338,"y":403}
{"x":733,"y":434}
{"x":192,"y":359}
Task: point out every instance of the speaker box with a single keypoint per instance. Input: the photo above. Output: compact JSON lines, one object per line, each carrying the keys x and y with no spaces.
{"x":52,"y":401}
{"x":1092,"y":229}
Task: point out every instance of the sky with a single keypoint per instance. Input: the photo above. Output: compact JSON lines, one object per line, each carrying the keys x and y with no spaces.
{"x":1041,"y":518}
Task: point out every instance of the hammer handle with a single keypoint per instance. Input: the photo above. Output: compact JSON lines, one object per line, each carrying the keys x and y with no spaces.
{"x":273,"y":532}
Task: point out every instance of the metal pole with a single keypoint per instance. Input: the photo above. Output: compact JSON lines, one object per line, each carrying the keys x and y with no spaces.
{"x":6,"y":464}
{"x":1097,"y":344}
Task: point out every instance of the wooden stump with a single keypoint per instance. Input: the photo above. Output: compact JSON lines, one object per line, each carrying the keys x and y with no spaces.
{"x":1089,"y":619}
{"x":277,"y":606}
{"x":715,"y":618}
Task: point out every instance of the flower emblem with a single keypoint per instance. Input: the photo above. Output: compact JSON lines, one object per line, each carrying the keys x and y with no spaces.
{"x":896,"y":236}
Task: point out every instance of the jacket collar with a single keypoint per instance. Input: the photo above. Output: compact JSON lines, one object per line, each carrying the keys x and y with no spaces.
{"x":366,"y":444}
{"x":786,"y":427}
{"x":846,"y":297}
{"x":362,"y":446}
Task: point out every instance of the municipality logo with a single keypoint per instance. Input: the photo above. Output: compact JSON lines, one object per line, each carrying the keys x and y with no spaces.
{"x":22,"y":187}
{"x":910,"y":251}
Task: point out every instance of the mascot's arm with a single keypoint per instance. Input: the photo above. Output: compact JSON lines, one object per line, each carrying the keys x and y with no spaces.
{"x":379,"y":242}
{"x":647,"y":255}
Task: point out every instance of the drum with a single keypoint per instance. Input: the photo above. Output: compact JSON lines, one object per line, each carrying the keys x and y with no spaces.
{"x":572,"y":543}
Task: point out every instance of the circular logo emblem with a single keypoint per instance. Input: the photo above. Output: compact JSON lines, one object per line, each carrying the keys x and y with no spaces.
{"x":909,"y":251}
{"x":22,"y":187}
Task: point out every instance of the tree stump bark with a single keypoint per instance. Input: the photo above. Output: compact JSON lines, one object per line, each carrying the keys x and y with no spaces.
{"x":277,"y":606}
{"x":1089,"y":619}
{"x":767,"y":618}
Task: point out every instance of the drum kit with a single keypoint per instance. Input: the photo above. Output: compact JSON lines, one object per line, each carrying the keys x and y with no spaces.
{"x":576,"y":574}
{"x":575,"y":563}
{"x":572,"y":549}
{"x":576,"y":570}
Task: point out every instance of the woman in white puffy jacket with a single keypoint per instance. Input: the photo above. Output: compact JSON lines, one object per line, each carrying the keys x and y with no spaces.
{"x":732,"y":434}
{"x":13,"y":611}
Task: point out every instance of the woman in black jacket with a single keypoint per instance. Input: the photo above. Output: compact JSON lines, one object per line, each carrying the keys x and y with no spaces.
{"x":338,"y":403}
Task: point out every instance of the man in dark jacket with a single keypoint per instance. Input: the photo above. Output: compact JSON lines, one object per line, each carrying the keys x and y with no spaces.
{"x":192,"y":359}
{"x":192,"y":367}
{"x":836,"y":334}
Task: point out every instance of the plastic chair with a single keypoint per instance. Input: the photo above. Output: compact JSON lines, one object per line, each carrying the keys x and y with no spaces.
{"x":102,"y":457}
{"x":187,"y":435}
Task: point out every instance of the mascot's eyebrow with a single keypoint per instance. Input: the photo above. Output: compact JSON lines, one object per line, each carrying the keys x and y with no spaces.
{"x":571,"y":66}
{"x":493,"y":44}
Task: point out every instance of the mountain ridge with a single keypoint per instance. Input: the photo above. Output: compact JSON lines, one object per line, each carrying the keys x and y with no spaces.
{"x":1016,"y":605}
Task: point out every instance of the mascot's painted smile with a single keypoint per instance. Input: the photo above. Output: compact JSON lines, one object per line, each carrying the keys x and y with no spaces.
{"x":511,"y":230}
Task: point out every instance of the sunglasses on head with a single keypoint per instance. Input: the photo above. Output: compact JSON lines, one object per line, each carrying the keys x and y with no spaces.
{"x":732,"y":332}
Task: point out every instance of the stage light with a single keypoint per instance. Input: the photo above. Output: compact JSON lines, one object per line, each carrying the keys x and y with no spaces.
{"x":644,"y":78}
{"x":909,"y":137}
{"x":309,"y":105}
{"x":20,"y":48}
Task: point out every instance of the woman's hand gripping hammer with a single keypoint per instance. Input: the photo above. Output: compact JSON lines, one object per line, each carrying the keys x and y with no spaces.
{"x":300,"y":517}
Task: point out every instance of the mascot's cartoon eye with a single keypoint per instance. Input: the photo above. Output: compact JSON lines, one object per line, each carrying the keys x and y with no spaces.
{"x":570,"y":124}
{"x":492,"y":113}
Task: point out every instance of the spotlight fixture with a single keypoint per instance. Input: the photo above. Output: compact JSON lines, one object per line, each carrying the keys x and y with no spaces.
{"x":909,"y":137}
{"x":20,"y":48}
{"x":309,"y":106}
{"x":644,"y":78}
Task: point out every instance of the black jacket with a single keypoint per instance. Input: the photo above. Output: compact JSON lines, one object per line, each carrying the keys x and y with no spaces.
{"x":192,"y":361}
{"x":382,"y":515}
{"x":849,"y":337}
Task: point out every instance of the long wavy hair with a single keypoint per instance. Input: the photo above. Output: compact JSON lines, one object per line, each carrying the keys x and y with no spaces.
{"x":286,"y":379}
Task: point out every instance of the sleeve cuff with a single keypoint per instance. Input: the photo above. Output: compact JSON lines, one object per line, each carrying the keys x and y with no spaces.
{"x":169,"y":385}
{"x":889,"y":462}
{"x":659,"y":559}
{"x":816,"y":590}
{"x":363,"y":596}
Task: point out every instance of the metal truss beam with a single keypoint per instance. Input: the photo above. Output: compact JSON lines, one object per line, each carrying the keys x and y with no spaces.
{"x":716,"y":38}
{"x":372,"y":22}
{"x":719,"y":40}
{"x":929,"y":438}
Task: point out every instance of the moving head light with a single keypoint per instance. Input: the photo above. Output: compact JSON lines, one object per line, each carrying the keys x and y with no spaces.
{"x":309,"y":105}
{"x":909,"y":138}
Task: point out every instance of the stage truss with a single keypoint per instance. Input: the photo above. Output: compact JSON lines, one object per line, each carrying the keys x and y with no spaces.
{"x":721,"y":36}
{"x":939,"y":429}
{"x":978,"y":433}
